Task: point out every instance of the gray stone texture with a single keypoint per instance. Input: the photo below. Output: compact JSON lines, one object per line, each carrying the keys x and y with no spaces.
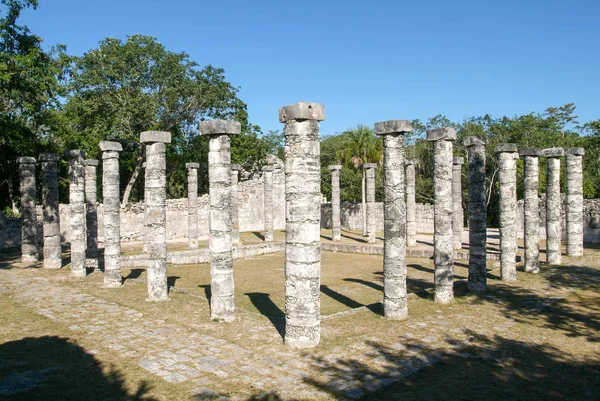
{"x":531,"y":214}
{"x":457,"y":210}
{"x":50,"y":210}
{"x":443,"y":235}
{"x":370,"y":186}
{"x":411,"y":204}
{"x":222,"y":303}
{"x":77,"y":211}
{"x":145,"y":229}
{"x":192,"y":204}
{"x":268,"y":202}
{"x":553,"y":205}
{"x":336,"y":226}
{"x":303,"y":222}
{"x":111,"y":216}
{"x":507,"y":180}
{"x":155,"y":216}
{"x":476,"y":211}
{"x":91,"y":210}
{"x":29,"y":246}
{"x":574,"y":201}
{"x":235,"y":203}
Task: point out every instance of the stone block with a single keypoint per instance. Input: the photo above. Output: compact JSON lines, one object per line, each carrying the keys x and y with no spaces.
{"x":393,"y":127}
{"x":530,"y":152}
{"x":155,"y":136}
{"x":192,"y":165}
{"x":236,"y":167}
{"x":74,"y":153}
{"x":25,"y":159}
{"x":335,"y":167}
{"x":441,"y":134}
{"x":458,"y":160}
{"x":49,"y":157}
{"x":575,"y":151}
{"x":302,"y":111}
{"x":473,"y":141}
{"x":268,"y":168}
{"x":106,"y":146}
{"x":219,"y":127}
{"x":553,"y":152}
{"x":370,"y":165}
{"x":90,"y":162}
{"x":506,"y":148}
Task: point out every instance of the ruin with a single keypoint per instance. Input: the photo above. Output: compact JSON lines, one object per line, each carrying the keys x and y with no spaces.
{"x":91,"y":211}
{"x":411,"y":226}
{"x":531,"y":213}
{"x":192,"y":177}
{"x":235,"y":203}
{"x":507,"y":180}
{"x":336,"y":231}
{"x":457,"y":209}
{"x":268,"y":202}
{"x":77,"y":211}
{"x":574,"y":200}
{"x":50,"y":211}
{"x":29,"y":246}
{"x":553,"y":205}
{"x":370,"y":189}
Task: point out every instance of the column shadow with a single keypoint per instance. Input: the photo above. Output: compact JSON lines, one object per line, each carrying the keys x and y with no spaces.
{"x":262,"y":301}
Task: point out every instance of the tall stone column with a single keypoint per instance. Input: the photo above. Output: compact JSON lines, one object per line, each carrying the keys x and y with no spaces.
{"x":553,"y":205}
{"x":411,"y":204}
{"x":507,"y":180}
{"x":302,"y":223}
{"x":476,"y":211}
{"x":394,"y":218}
{"x":29,"y":246}
{"x":531,"y":213}
{"x":457,"y":210}
{"x":52,"y":249}
{"x":156,"y":214}
{"x":77,"y":211}
{"x":112,"y":213}
{"x":574,"y":167}
{"x":370,"y":181}
{"x":235,"y":203}
{"x":268,"y":201}
{"x":145,"y":233}
{"x":336,"y":225}
{"x":222,"y":302}
{"x":442,"y":213}
{"x":192,"y":204}
{"x":91,"y":210}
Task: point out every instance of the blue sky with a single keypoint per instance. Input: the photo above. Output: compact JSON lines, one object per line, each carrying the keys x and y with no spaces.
{"x":366,"y":61}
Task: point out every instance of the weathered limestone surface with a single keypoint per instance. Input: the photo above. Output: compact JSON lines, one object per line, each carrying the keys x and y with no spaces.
{"x":553,"y":205}
{"x":477,"y":214}
{"x":457,"y":212}
{"x":507,"y":180}
{"x":411,"y":204}
{"x":192,"y":204}
{"x":111,"y":216}
{"x":443,"y":235}
{"x":268,"y":201}
{"x":235,"y":203}
{"x":574,"y":176}
{"x":395,"y":305}
{"x":222,"y":304}
{"x":145,"y":233}
{"x":370,"y":181}
{"x":155,"y":217}
{"x":52,"y":249}
{"x":302,"y":223}
{"x":29,"y":247}
{"x":336,"y":226}
{"x":91,"y":211}
{"x":531,"y":212}
{"x":77,"y":208}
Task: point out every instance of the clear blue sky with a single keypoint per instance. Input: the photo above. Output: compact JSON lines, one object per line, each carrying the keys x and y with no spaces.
{"x":366,"y":61}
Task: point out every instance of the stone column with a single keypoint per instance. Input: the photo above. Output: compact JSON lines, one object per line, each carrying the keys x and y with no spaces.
{"x":77,"y":211}
{"x":442,"y":213}
{"x":370,"y":181}
{"x":145,"y":232}
{"x":112,"y":213}
{"x":336,"y":226}
{"x":91,"y":210}
{"x":553,"y":205}
{"x":192,"y":204}
{"x":394,"y":218}
{"x":29,"y":246}
{"x":268,"y":201}
{"x":457,"y":210}
{"x":507,"y":180}
{"x":411,"y":204}
{"x":574,"y":167}
{"x":531,"y":213}
{"x":235,"y":203}
{"x":302,"y":223}
{"x":52,"y":249}
{"x":222,"y":302}
{"x":156,"y":214}
{"x":476,"y":211}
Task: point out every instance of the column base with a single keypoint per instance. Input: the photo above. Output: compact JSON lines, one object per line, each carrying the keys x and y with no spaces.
{"x":302,"y":336}
{"x":395,"y":309}
{"x":444,"y":294}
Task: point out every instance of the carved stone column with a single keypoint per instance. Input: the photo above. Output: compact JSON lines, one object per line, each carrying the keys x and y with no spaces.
{"x":553,"y":205}
{"x":574,"y":167}
{"x":531,"y":213}
{"x":52,"y":240}
{"x":29,"y":246}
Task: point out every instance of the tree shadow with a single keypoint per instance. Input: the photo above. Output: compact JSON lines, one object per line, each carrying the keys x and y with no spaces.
{"x":269,"y":309}
{"x":44,"y":368}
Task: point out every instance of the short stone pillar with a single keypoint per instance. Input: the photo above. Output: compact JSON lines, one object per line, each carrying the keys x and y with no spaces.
{"x":395,"y":305}
{"x":268,"y":202}
{"x":302,"y":223}
{"x":411,"y":203}
{"x":336,"y":225}
{"x":156,"y":214}
{"x":476,"y":211}
{"x":457,"y":210}
{"x":222,"y":303}
{"x":192,"y":169}
{"x":574,"y":176}
{"x":553,"y":205}
{"x":235,"y":204}
{"x":77,"y":211}
{"x":507,"y":180}
{"x":50,"y":208}
{"x":442,"y":213}
{"x":531,"y":212}
{"x":29,"y":246}
{"x":370,"y":186}
{"x":112,"y":213}
{"x":91,"y":210}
